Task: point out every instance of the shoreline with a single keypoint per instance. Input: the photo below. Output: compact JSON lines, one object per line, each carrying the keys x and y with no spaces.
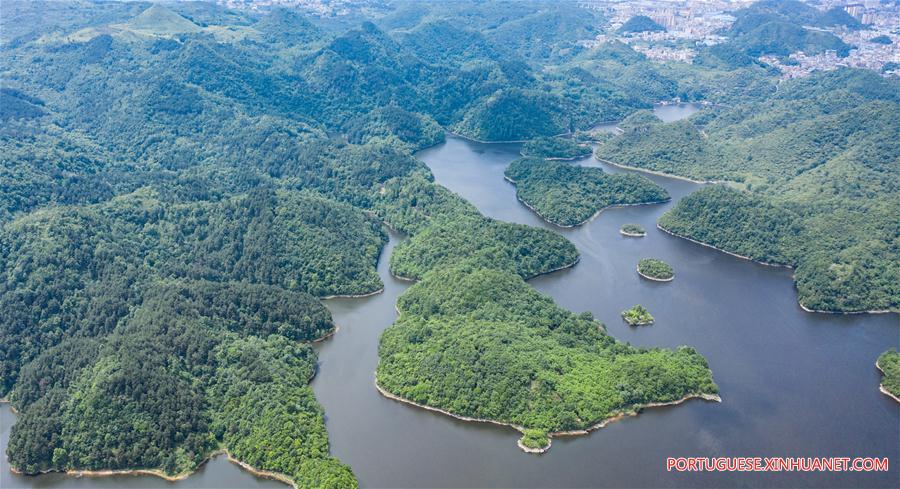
{"x":327,"y":336}
{"x":742,"y":257}
{"x":162,"y":475}
{"x":558,"y":158}
{"x":352,"y":296}
{"x":658,"y":173}
{"x":881,"y":386}
{"x":582,"y":223}
{"x":11,"y":407}
{"x":563,"y":267}
{"x":844,"y":313}
{"x":775,"y":265}
{"x":510,"y":141}
{"x":632,"y":235}
{"x":551,"y":434}
{"x":644,"y":323}
{"x":654,"y":278}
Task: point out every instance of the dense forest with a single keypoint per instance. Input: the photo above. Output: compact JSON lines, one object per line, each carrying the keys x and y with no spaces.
{"x":815,"y":173}
{"x":569,"y":195}
{"x":181,"y":184}
{"x":477,"y":341}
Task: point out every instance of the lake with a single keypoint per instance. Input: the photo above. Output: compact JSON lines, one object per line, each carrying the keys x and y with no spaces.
{"x":792,"y":383}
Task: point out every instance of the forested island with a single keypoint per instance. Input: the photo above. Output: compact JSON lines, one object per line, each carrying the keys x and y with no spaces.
{"x":889,"y":365}
{"x":653,"y":269}
{"x":569,"y":195}
{"x":633,"y":230}
{"x":637,"y":316}
{"x":555,"y":148}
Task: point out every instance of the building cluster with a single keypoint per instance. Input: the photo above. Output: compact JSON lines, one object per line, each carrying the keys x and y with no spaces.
{"x":693,"y":23}
{"x":323,"y":8}
{"x":688,"y":24}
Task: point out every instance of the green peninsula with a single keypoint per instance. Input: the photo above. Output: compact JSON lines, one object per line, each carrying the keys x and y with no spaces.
{"x":568,"y":195}
{"x":555,"y":148}
{"x":889,"y":365}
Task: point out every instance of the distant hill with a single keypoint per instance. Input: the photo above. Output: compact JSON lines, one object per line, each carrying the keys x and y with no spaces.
{"x":640,"y":23}
{"x":160,"y":21}
{"x":514,"y":115}
{"x":838,"y":17}
{"x":782,"y":28}
{"x":287,"y":26}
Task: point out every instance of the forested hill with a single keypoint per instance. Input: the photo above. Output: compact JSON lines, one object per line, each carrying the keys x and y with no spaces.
{"x":781,"y":27}
{"x":180,"y":182}
{"x":818,"y":174}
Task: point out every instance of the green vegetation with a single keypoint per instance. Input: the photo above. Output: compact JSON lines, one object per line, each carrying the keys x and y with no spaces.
{"x":654,"y":269}
{"x":194,"y":367}
{"x":481,"y":343}
{"x":569,"y":195}
{"x":816,"y":177}
{"x":515,"y":115}
{"x":640,"y":23}
{"x":633,"y":230}
{"x":395,"y":125}
{"x":535,"y":439}
{"x":739,"y":222}
{"x":446,"y":230}
{"x":637,"y":316}
{"x":555,"y":148}
{"x":889,"y":364}
{"x":179,"y":183}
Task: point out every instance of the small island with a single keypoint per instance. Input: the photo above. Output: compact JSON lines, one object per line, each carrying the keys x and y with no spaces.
{"x":653,"y":269}
{"x":633,"y":230}
{"x":555,"y":148}
{"x":889,"y":364}
{"x":637,"y":316}
{"x":534,"y":441}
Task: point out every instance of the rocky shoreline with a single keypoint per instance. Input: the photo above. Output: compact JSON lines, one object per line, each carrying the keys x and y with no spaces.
{"x":352,"y":296}
{"x":881,"y":386}
{"x":521,"y":429}
{"x":654,"y":278}
{"x":776,"y":265}
{"x":170,"y":478}
{"x":658,"y":173}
